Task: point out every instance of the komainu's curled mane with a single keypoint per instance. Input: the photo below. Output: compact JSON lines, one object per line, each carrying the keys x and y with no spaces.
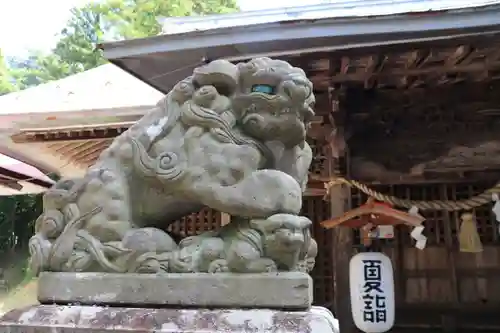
{"x":230,"y":137}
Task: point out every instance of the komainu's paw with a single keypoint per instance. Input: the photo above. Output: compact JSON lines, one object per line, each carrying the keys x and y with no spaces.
{"x":263,"y":265}
{"x":218,"y":266}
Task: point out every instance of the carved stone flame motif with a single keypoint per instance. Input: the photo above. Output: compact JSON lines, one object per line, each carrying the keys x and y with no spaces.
{"x":230,"y":137}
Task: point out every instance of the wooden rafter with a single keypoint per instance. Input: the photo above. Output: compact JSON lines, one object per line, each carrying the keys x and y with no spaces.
{"x":472,"y":68}
{"x":90,"y":154}
{"x":70,"y":133}
{"x":409,"y":67}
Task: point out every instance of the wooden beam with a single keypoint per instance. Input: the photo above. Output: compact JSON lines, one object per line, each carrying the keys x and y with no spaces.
{"x":361,"y":76}
{"x":315,"y":192}
{"x":373,"y":173}
{"x":67,"y":128}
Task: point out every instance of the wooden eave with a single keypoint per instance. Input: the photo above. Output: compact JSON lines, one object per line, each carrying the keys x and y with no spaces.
{"x":11,"y":179}
{"x":404,"y":66}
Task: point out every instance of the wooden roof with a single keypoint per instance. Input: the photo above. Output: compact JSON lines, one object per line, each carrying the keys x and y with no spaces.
{"x":163,"y":60}
{"x":109,"y":86}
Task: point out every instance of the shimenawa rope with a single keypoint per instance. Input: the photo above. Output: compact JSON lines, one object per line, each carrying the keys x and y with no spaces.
{"x":447,"y":205}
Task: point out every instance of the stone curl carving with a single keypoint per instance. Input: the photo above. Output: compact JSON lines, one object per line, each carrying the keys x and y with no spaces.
{"x":230,"y":137}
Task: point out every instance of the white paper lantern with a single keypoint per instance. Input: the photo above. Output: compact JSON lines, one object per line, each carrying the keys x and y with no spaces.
{"x":372,"y":292}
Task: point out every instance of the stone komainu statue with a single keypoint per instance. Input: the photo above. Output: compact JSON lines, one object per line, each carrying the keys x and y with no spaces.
{"x":230,"y":137}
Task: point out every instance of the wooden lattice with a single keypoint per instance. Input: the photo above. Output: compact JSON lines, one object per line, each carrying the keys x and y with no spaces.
{"x":319,"y":162}
{"x":440,"y":275}
{"x":196,"y":223}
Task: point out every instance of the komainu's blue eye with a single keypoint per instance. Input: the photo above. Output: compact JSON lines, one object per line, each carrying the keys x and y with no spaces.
{"x":263,"y":88}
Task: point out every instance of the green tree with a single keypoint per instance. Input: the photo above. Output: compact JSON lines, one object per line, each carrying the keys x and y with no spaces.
{"x":76,"y":51}
{"x":139,"y":18}
{"x":39,"y":68}
{"x":6,"y":79}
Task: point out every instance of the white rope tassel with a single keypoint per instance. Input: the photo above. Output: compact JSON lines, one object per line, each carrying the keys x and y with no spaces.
{"x":496,"y":208}
{"x":416,"y":233}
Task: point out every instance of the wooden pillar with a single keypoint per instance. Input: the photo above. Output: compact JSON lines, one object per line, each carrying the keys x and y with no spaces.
{"x":342,"y":253}
{"x":342,"y":246}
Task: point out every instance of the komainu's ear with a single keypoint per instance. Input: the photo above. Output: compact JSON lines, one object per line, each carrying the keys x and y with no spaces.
{"x":270,"y":224}
{"x":219,"y":73}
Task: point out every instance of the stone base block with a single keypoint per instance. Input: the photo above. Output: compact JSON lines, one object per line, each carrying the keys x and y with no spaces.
{"x":95,"y":319}
{"x":290,"y":290}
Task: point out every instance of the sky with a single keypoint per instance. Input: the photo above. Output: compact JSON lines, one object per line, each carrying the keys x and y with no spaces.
{"x":38,"y":28}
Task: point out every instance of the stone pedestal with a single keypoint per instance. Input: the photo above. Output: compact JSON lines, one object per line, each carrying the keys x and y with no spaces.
{"x":100,"y":302}
{"x":96,"y":319}
{"x":287,"y":290}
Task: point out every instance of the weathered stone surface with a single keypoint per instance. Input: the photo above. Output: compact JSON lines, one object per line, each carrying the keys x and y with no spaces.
{"x":230,"y":137}
{"x":289,"y":290}
{"x":70,"y":319}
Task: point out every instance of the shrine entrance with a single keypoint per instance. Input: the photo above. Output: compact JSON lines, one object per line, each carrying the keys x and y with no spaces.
{"x":415,"y":134}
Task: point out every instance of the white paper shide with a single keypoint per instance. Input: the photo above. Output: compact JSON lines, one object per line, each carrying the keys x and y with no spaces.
{"x":372,"y":292}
